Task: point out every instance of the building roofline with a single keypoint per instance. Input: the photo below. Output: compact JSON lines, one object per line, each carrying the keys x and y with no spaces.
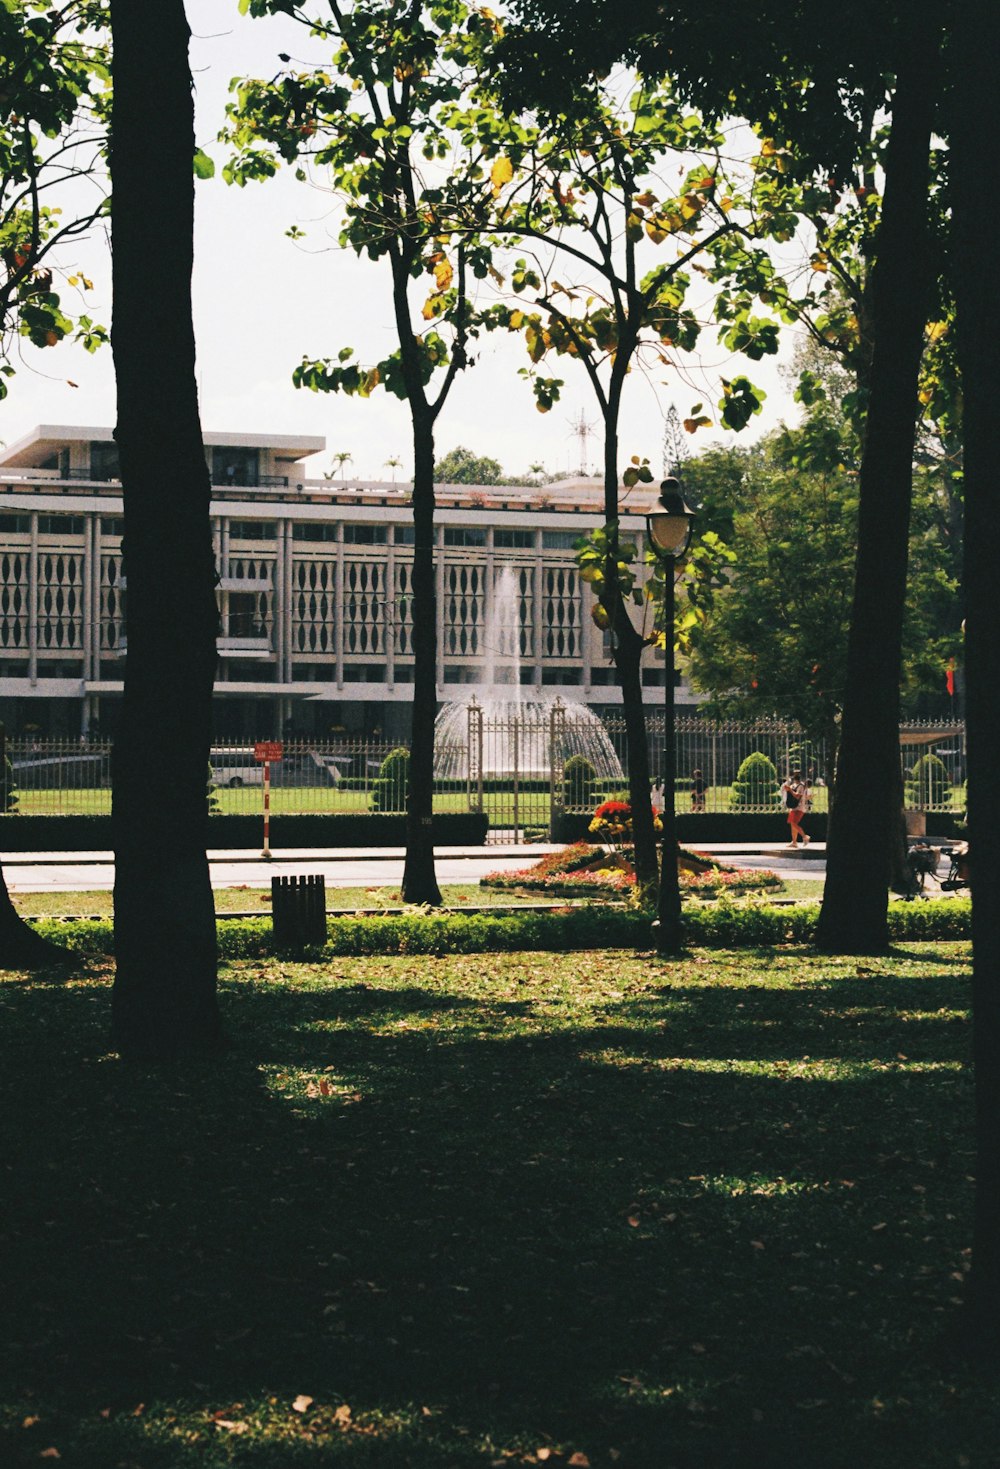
{"x":47,"y":437}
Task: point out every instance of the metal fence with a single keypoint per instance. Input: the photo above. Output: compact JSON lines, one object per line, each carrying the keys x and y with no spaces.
{"x":523,"y":772}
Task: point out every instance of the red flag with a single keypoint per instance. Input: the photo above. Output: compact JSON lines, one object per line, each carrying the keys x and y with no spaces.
{"x":949,"y":678}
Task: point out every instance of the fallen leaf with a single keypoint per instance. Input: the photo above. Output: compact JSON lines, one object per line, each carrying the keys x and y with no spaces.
{"x":30,"y":1422}
{"x":342,"y":1415}
{"x":50,"y":1454}
{"x":301,"y":1403}
{"x":578,"y":1461}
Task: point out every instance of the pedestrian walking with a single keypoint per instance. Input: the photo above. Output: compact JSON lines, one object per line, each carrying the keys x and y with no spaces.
{"x":795,"y":799}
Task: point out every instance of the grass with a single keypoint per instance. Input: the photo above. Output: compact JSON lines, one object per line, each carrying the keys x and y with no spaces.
{"x":562,"y":1209}
{"x":245,"y":899}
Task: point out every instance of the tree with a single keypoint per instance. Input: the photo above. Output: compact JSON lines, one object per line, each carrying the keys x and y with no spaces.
{"x":402,"y":70}
{"x":53,"y":75}
{"x":589,"y":184}
{"x":776,"y":643}
{"x":819,"y":101}
{"x":164,"y":999}
{"x":461,"y":467}
{"x":975,"y":116}
{"x":341,"y":459}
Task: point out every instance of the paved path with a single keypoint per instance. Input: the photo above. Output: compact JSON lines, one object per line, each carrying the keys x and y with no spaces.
{"x":364,"y":867}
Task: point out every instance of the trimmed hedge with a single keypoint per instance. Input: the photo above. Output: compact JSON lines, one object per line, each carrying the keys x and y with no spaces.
{"x":712,"y":925}
{"x":694,"y":827}
{"x":349,"y":829}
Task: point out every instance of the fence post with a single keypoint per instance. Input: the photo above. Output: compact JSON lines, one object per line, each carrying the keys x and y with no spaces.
{"x":474,"y":783}
{"x":557,"y":737}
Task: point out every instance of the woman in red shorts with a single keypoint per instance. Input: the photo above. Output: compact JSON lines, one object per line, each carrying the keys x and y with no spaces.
{"x":795,"y":798}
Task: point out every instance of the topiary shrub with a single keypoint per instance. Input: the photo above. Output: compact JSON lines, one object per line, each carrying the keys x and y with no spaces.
{"x":211,"y":793}
{"x":756,"y":784}
{"x":928,"y":785}
{"x":389,"y":790}
{"x":579,"y":780}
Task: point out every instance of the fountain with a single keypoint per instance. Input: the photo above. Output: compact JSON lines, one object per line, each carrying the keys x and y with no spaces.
{"x":517,"y":723}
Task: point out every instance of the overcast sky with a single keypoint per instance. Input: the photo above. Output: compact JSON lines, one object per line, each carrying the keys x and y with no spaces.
{"x":261,"y":302}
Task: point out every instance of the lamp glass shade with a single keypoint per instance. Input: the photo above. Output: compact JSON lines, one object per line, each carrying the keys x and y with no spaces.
{"x":669,"y":533}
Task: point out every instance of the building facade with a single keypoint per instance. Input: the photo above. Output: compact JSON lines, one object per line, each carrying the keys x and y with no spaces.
{"x":315,"y":589}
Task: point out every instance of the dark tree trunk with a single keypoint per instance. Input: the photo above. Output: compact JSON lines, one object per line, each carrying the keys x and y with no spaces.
{"x":628,"y":646}
{"x":976,"y":216}
{"x":20,"y":946}
{"x":165,"y":982}
{"x":419,"y":879}
{"x":864,"y":820}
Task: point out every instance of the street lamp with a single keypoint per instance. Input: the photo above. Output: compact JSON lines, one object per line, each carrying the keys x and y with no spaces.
{"x":669,"y":532}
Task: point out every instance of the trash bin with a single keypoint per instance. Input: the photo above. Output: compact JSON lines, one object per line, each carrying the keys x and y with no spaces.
{"x":298,"y":911}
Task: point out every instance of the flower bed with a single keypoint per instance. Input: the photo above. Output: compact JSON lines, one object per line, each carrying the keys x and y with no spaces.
{"x":583,"y":870}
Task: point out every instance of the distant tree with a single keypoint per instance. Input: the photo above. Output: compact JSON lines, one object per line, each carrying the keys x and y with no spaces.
{"x":394,"y":463}
{"x":403,"y":75}
{"x":341,"y":458}
{"x":462,"y":467}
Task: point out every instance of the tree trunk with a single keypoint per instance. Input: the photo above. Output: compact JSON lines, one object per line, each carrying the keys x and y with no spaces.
{"x":864,"y":819}
{"x":20,"y":946}
{"x":628,"y":646}
{"x":419,"y":879}
{"x":165,"y":982}
{"x":977,"y":292}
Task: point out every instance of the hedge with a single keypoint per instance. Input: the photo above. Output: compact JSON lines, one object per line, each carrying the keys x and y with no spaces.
{"x":716,"y":925}
{"x":347,"y":829}
{"x":746,"y":826}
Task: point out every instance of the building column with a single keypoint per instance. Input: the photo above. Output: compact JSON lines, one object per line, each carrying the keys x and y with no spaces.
{"x":33,"y":601}
{"x":338,"y":608}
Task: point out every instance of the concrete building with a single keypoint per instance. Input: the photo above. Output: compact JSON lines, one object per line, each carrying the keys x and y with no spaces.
{"x":315,"y":596}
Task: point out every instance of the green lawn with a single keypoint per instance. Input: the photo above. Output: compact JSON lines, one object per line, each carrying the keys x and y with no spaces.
{"x":250,"y":899}
{"x":563,"y":1209}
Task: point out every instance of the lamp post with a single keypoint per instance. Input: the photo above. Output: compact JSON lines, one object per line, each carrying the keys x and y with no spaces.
{"x":669,"y":533}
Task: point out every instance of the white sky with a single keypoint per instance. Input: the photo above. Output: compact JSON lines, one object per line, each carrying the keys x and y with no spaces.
{"x":261,"y":302}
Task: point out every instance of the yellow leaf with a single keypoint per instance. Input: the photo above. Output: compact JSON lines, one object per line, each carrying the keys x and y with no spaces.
{"x":600,"y":617}
{"x":301,"y":1403}
{"x":655,"y":232}
{"x":726,"y":204}
{"x":501,"y":173}
{"x":647,"y":200}
{"x":516,"y":320}
{"x":433,"y":306}
{"x":693,"y":424}
{"x":936,"y":330}
{"x":443,"y":275}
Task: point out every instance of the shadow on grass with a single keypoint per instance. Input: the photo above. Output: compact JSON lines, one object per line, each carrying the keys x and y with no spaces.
{"x":532,"y":1233}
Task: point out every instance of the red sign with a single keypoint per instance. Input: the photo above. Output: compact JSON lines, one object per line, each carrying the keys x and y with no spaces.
{"x":268,"y":750}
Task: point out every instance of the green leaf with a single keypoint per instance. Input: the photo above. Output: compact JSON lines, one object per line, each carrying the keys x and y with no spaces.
{"x":204,"y":168}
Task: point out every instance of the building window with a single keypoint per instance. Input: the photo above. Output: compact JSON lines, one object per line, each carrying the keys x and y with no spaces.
{"x":246,"y":615}
{"x":365,"y":535}
{"x":314,"y":530}
{"x":251,"y":530}
{"x":112,"y":525}
{"x":463,"y":535}
{"x":60,"y":525}
{"x":364,"y":673}
{"x":519,"y":539}
{"x":403,"y":535}
{"x":561,"y":675}
{"x":602,"y":675}
{"x":104,"y":460}
{"x":559,"y":540}
{"x":235,"y":466}
{"x":15,"y":525}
